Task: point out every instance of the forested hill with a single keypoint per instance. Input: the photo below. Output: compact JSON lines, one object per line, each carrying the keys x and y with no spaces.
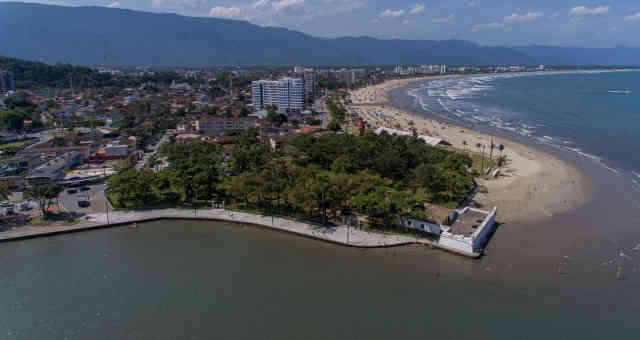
{"x":111,"y":36}
{"x":33,"y":74}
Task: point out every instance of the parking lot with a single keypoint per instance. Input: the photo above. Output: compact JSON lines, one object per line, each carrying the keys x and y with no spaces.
{"x":95,"y":196}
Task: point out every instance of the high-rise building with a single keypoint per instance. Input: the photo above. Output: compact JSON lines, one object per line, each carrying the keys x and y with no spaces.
{"x":287,"y":94}
{"x":346,"y":76}
{"x":7,"y":82}
{"x":265,"y":92}
{"x":292,"y":94}
{"x":310,"y":83}
{"x":310,"y":79}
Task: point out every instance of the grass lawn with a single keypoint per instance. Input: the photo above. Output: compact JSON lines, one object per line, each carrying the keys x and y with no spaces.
{"x":39,"y":221}
{"x":14,"y":144}
{"x":71,"y":222}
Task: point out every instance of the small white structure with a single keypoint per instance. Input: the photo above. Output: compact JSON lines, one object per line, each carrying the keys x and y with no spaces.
{"x":476,"y":242}
{"x":433,"y":141}
{"x":424,"y":226}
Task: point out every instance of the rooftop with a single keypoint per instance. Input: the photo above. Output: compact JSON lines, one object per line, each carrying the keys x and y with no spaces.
{"x":468,"y":222}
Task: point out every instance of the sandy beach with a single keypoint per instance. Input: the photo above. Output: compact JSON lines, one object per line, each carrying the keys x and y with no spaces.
{"x":533,"y":185}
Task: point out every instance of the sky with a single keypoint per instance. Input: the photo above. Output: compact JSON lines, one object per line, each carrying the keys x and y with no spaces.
{"x":489,"y":22}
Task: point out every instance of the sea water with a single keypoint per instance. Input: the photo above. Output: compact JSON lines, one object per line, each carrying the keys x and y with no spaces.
{"x":593,"y":114}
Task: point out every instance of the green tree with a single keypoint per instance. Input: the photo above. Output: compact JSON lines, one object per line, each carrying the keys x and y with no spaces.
{"x":12,"y":120}
{"x":334,"y":125}
{"x":44,"y":194}
{"x":4,"y":193}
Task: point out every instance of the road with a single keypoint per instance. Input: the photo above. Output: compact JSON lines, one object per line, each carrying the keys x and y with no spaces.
{"x":319,"y":107}
{"x":69,"y":202}
{"x":147,"y":156}
{"x":42,"y":136}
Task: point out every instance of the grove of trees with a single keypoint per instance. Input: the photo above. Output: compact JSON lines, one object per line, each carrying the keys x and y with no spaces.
{"x":319,"y":178}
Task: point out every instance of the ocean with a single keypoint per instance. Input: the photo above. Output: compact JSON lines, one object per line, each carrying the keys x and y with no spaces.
{"x":550,"y":279}
{"x":595,"y":115}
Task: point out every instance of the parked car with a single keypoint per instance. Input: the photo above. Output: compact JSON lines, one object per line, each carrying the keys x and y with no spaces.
{"x":72,"y":191}
{"x":85,"y":189}
{"x":82,"y":203}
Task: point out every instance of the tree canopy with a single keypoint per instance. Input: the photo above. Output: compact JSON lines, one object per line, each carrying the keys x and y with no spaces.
{"x":320,"y":178}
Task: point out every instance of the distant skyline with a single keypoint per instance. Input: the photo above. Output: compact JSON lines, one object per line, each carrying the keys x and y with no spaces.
{"x":488,"y":22}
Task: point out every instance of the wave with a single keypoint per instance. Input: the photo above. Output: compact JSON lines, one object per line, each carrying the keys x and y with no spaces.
{"x":458,"y":99}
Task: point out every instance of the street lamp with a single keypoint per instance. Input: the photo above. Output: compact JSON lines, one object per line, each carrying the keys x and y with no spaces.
{"x":106,"y":204}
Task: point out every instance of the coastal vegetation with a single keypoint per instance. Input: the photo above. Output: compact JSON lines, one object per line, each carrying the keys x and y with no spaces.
{"x":32,"y":74}
{"x":322,"y":178}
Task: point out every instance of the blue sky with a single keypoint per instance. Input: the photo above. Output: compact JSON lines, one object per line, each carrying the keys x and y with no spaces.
{"x":489,"y":22}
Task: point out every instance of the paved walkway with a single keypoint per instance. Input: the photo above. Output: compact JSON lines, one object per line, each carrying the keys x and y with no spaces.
{"x":340,"y":235}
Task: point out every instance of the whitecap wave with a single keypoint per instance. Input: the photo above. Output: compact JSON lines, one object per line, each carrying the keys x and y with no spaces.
{"x":453,"y":99}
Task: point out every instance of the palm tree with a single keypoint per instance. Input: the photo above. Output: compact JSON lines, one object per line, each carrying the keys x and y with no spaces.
{"x":483,"y":148}
{"x":502,"y":161}
{"x":464,"y":143}
{"x":479,"y":146}
{"x":493,"y":146}
{"x":501,"y":148}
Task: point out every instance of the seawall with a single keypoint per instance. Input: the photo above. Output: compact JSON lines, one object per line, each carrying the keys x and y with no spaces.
{"x":340,"y":235}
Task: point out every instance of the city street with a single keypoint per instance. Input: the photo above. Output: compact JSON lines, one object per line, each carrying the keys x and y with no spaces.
{"x":97,"y":201}
{"x":319,"y":107}
{"x":147,"y":156}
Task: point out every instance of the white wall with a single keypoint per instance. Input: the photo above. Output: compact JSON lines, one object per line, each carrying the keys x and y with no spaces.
{"x":481,"y":236}
{"x":456,"y":242}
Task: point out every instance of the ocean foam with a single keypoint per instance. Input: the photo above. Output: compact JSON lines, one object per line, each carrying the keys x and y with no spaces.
{"x":455,"y":98}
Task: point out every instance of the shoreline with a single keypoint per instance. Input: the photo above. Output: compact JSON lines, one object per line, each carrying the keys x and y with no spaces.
{"x":348,"y":237}
{"x":534,"y":184}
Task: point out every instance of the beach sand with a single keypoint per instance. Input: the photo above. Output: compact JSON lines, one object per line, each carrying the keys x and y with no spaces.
{"x":533,"y":185}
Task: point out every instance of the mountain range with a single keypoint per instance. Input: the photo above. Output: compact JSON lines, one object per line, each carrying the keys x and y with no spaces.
{"x":112,"y":36}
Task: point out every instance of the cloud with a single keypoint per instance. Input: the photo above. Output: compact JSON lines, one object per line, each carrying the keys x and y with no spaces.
{"x":114,"y":4}
{"x":493,"y":25}
{"x":232,"y":12}
{"x":286,"y":4}
{"x":633,"y":17}
{"x":178,"y":4}
{"x":508,"y":21}
{"x":407,"y":22}
{"x":339,"y":6}
{"x":417,"y":8}
{"x":260,"y":4}
{"x":444,"y":20}
{"x":389,"y":13}
{"x":473,"y":3}
{"x":515,"y":17}
{"x":584,"y":10}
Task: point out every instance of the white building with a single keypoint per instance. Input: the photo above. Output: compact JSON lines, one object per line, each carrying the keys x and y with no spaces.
{"x":214,"y":124}
{"x":287,"y":94}
{"x":310,"y":83}
{"x":115,"y":149}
